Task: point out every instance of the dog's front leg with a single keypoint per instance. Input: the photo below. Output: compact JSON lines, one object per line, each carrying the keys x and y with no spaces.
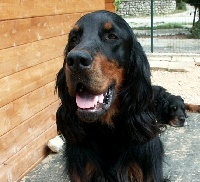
{"x":82,"y":164}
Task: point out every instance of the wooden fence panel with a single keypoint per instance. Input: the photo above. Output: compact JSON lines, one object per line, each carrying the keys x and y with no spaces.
{"x":14,"y":9}
{"x":21,"y":31}
{"x":22,"y":135}
{"x":109,"y":6}
{"x":18,"y":111}
{"x":20,"y":58}
{"x":24,"y":82}
{"x":19,"y":164}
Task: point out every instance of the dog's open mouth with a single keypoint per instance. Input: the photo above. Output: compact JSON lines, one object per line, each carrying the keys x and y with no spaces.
{"x":91,"y":106}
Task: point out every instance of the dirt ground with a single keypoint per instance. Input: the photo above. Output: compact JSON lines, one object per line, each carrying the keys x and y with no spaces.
{"x":185,"y":84}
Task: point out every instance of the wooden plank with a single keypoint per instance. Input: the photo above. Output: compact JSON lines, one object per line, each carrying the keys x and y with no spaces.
{"x":109,"y":1}
{"x":26,"y":106}
{"x":19,"y":137}
{"x":17,"y":165}
{"x":12,"y":9}
{"x":110,"y":7}
{"x":18,"y":58}
{"x":24,"y":82}
{"x":21,"y":31}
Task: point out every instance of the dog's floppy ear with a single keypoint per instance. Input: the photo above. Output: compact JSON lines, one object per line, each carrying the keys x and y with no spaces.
{"x":67,"y":122}
{"x":137,"y":96}
{"x":138,"y":78}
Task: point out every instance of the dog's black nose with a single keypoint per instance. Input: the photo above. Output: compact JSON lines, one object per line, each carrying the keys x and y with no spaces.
{"x":79,"y":60}
{"x":182,"y":119}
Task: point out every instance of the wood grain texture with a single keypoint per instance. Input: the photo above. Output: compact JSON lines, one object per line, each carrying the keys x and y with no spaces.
{"x":24,"y":82}
{"x":25,"y":159}
{"x":20,"y":110}
{"x":110,"y":7}
{"x":21,"y":31}
{"x":14,"y":9}
{"x":19,"y":58}
{"x":20,"y":136}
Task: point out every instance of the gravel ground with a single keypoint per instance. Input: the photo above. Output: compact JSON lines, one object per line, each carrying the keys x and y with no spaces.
{"x":185,"y":84}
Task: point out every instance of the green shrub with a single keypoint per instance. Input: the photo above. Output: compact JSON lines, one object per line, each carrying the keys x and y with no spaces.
{"x":117,"y":3}
{"x":196,"y":30}
{"x":180,"y":5}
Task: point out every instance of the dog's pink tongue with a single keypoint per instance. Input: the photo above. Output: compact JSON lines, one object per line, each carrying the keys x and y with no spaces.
{"x":86,"y":101}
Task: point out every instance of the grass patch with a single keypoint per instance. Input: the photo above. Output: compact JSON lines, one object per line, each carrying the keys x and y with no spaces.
{"x":180,"y":5}
{"x":170,"y":26}
{"x":195,"y":31}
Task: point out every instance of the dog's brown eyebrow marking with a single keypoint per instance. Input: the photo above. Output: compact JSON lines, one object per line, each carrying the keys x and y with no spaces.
{"x":107,"y":25}
{"x":76,"y":28}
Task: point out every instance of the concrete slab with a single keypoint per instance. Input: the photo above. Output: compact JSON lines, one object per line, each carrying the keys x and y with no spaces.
{"x":180,"y":66}
{"x":160,"y":58}
{"x":173,"y":62}
{"x":159,"y":65}
{"x":182,"y":59}
{"x":182,"y":146}
{"x":197,"y":61}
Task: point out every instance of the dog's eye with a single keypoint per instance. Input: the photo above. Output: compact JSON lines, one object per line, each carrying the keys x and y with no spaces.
{"x":112,"y":36}
{"x":174,"y":108}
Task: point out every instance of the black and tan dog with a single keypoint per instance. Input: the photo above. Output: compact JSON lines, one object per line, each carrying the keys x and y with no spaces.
{"x":107,"y":111}
{"x":171,"y":109}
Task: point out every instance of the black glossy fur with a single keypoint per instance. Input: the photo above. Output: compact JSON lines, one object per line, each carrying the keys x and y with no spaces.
{"x":170,"y":109}
{"x":118,"y":142}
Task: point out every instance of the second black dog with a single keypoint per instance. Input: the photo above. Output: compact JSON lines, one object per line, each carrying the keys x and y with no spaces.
{"x":170,"y":109}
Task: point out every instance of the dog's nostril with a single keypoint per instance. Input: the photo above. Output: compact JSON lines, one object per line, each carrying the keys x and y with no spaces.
{"x":79,"y":60}
{"x":182,"y":119}
{"x":85,"y":62}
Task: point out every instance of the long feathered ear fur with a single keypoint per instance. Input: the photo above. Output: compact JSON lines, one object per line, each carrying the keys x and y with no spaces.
{"x":137,"y":96}
{"x":67,"y":121}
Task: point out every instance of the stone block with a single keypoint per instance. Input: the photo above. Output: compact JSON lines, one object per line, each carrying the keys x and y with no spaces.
{"x":180,"y":66}
{"x":159,"y":65}
{"x":183,"y":59}
{"x":197,"y":61}
{"x":159,"y":58}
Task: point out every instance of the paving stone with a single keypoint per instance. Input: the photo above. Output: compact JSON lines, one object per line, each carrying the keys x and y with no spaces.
{"x":160,"y":58}
{"x":180,"y":66}
{"x":159,"y":65}
{"x":197,"y":61}
{"x":182,"y":59}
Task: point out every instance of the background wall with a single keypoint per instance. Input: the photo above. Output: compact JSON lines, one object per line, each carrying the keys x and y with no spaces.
{"x":143,"y":7}
{"x":33,"y":35}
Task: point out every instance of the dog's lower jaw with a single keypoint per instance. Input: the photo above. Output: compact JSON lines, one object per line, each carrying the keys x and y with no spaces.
{"x":106,"y":117}
{"x":89,"y":115}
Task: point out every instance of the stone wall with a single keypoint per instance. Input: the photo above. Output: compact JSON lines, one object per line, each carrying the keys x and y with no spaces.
{"x":143,"y":7}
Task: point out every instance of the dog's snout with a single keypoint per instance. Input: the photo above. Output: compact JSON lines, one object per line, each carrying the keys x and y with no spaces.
{"x":182,"y":119}
{"x":79,"y":60}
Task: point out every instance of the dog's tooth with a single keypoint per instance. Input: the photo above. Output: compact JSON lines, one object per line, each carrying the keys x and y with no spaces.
{"x":81,"y":89}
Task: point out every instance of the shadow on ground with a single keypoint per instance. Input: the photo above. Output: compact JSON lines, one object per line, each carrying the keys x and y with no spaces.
{"x":182,"y":150}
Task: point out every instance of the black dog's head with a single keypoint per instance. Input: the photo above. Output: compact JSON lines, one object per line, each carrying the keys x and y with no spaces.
{"x":176,"y":111}
{"x":94,"y":63}
{"x":105,"y":74}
